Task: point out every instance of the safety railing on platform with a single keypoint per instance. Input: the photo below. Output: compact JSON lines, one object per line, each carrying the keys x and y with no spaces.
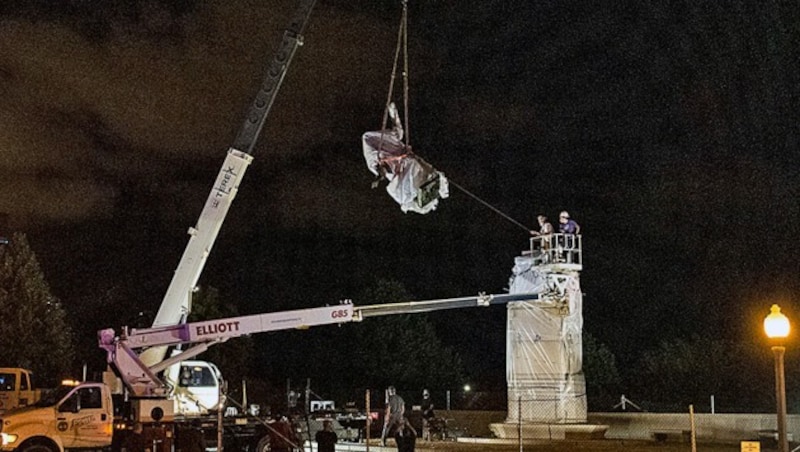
{"x":556,"y":249}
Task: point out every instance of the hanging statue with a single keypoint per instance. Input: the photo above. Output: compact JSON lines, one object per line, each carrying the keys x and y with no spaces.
{"x":413,"y":183}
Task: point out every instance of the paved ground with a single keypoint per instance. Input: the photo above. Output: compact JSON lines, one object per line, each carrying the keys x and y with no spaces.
{"x":551,"y":446}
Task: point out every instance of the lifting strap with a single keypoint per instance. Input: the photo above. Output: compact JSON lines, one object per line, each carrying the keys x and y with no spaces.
{"x":402,"y":44}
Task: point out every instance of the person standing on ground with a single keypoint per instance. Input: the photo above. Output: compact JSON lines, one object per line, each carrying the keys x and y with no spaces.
{"x":282,"y":435}
{"x":405,"y":437}
{"x":326,"y":438}
{"x":427,"y":414}
{"x":395,"y":410}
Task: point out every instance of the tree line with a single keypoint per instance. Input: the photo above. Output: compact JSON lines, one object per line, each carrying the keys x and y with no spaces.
{"x":38,"y":332}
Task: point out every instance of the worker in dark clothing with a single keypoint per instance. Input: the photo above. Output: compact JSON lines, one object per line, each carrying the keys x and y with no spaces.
{"x":569,"y":228}
{"x":326,"y":438}
{"x":405,"y":437}
{"x":567,"y":225}
{"x":282,"y":435}
{"x":427,"y":414}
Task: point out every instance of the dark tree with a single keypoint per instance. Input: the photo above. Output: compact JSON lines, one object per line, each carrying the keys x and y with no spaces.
{"x":602,"y":375}
{"x":400,"y":350}
{"x":341,"y":362}
{"x":34,"y":333}
{"x":682,"y":372}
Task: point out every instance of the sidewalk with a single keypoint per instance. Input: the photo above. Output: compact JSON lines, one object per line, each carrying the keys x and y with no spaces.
{"x":494,"y":445}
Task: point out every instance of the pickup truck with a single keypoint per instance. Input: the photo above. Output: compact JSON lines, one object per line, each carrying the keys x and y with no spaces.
{"x":69,"y":417}
{"x":16,"y":388}
{"x":90,"y":416}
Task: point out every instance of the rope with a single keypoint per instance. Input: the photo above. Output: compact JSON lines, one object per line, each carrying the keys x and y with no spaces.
{"x":496,"y":210}
{"x":405,"y":72}
{"x":402,"y":43}
{"x":400,"y":34}
{"x":401,"y":37}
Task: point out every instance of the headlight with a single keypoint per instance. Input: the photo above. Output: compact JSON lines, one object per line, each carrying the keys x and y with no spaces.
{"x":8,"y":438}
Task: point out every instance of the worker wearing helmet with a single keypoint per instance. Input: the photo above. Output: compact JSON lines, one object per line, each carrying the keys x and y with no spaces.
{"x":570,"y":229}
{"x":567,"y":225}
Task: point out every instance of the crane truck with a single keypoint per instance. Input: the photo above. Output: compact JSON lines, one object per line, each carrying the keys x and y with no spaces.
{"x":89,"y":415}
{"x":175,"y":306}
{"x":159,"y":403}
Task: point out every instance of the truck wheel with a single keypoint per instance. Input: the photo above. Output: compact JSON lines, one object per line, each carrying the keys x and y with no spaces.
{"x":37,"y":447}
{"x":264,"y":444}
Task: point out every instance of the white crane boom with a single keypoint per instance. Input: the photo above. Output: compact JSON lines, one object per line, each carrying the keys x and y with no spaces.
{"x":175,"y":306}
{"x":140,"y":378}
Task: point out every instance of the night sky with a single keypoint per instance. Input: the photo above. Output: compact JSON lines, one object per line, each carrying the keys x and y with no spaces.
{"x":669,"y":131}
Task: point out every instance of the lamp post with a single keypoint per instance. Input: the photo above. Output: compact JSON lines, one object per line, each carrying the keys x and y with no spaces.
{"x":776,"y":325}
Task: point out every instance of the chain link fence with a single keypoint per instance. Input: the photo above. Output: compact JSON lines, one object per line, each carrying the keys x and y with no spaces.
{"x":533,"y":416}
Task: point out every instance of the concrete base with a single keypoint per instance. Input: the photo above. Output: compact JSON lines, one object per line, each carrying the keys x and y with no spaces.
{"x":549,"y":431}
{"x":719,"y":427}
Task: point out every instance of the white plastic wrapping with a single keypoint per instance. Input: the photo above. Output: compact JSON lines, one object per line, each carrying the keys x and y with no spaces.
{"x":544,"y":346}
{"x":413,"y":183}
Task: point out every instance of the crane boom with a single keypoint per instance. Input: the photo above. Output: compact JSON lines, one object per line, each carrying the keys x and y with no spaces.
{"x":140,"y":378}
{"x":259,"y":109}
{"x":175,"y":306}
{"x":417,"y":307}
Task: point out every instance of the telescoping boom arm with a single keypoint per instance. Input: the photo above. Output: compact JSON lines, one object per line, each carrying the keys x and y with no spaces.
{"x":175,"y":305}
{"x":142,"y":379}
{"x":417,"y":307}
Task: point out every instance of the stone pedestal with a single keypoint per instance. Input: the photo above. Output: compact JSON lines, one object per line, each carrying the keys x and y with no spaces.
{"x":544,"y":362}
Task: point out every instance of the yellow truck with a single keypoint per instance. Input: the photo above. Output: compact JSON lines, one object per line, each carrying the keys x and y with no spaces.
{"x":16,"y":388}
{"x":69,"y":417}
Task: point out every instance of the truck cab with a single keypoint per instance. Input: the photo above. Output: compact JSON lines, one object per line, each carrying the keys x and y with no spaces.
{"x":16,"y":388}
{"x":69,"y":417}
{"x":196,"y":387}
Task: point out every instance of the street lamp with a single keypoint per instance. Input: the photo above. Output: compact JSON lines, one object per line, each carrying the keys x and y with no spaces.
{"x":776,"y":325}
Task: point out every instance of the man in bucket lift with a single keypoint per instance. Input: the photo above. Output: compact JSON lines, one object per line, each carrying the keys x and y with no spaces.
{"x":413,"y":182}
{"x":544,"y":233}
{"x":570,"y":228}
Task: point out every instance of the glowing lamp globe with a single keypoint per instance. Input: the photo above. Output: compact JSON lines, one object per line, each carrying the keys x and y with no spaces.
{"x":776,"y":325}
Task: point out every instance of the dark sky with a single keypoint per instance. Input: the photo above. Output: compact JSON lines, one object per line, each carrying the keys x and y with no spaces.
{"x":669,"y":130}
